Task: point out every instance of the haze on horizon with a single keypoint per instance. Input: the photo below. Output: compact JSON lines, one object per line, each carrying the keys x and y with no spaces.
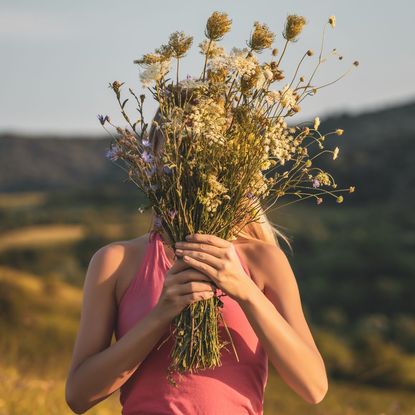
{"x":58,"y":57}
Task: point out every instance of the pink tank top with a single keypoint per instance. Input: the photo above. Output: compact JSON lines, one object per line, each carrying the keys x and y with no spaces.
{"x":233,"y":388}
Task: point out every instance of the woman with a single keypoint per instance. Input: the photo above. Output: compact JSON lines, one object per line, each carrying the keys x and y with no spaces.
{"x":136,"y":287}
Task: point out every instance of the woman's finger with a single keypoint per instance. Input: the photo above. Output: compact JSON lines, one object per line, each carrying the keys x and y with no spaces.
{"x":210,"y":271}
{"x":202,"y":247}
{"x":211,"y":260}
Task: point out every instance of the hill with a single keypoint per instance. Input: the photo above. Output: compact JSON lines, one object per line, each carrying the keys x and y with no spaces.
{"x":377,"y":154}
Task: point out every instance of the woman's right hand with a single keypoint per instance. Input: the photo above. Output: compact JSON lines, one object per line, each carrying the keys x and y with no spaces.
{"x":183,"y":285}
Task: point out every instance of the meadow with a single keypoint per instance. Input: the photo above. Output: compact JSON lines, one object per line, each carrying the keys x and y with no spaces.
{"x":353,"y":267}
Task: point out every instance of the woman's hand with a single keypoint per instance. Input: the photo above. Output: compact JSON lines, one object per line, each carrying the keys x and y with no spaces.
{"x":218,"y":259}
{"x":183,"y":285}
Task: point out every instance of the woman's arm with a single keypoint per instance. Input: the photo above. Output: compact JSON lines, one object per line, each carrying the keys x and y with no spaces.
{"x":278,"y":320}
{"x":98,"y":368}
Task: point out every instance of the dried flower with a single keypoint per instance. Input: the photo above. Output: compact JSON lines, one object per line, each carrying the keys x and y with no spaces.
{"x":154,"y":72}
{"x":217,"y":26}
{"x":261,"y":38}
{"x":293,"y":27}
{"x":216,"y":137}
{"x":179,"y":44}
{"x":332,"y":21}
{"x":211,"y":49}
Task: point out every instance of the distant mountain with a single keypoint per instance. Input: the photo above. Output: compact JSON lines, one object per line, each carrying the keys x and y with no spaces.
{"x":377,"y":154}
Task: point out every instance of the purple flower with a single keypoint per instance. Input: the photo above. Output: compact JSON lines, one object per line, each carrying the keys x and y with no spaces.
{"x":113,"y":153}
{"x":316,"y":183}
{"x":147,"y":157}
{"x":157,"y":221}
{"x":103,"y":119}
{"x":167,"y":170}
{"x":146,"y":142}
{"x":172,"y":213}
{"x":150,"y":172}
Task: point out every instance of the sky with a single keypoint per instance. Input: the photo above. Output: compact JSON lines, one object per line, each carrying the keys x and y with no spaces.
{"x":57,"y":57}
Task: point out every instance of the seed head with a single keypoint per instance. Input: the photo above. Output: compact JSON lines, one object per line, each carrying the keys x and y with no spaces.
{"x":261,"y":38}
{"x":293,"y":27}
{"x":217,"y":25}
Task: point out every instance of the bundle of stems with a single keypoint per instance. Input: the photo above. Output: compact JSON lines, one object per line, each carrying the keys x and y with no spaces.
{"x":219,"y":151}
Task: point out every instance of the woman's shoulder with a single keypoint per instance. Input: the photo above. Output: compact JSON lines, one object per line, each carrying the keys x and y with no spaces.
{"x":258,"y":255}
{"x":119,"y":259}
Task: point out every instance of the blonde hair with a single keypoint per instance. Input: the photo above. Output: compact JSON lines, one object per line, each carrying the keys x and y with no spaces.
{"x":263,"y":230}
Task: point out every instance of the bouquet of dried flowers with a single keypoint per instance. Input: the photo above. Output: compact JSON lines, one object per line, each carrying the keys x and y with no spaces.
{"x":219,"y":150}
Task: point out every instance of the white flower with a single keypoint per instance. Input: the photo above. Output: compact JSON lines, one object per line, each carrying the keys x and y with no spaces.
{"x":261,"y":81}
{"x":236,"y":61}
{"x":287,"y":97}
{"x":193,"y":83}
{"x":214,"y":49}
{"x":272,"y":97}
{"x":154,"y":72}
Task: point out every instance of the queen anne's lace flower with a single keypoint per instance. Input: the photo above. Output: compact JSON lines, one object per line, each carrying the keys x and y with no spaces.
{"x":154,"y":72}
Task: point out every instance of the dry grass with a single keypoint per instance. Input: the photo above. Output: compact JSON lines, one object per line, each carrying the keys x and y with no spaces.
{"x":24,"y":199}
{"x":41,"y":235}
{"x":35,"y":356}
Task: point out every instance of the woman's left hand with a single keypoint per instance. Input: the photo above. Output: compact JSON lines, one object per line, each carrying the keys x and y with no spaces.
{"x":218,"y":259}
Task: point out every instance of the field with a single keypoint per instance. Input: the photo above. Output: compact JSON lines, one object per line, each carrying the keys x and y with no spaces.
{"x":47,"y":240}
